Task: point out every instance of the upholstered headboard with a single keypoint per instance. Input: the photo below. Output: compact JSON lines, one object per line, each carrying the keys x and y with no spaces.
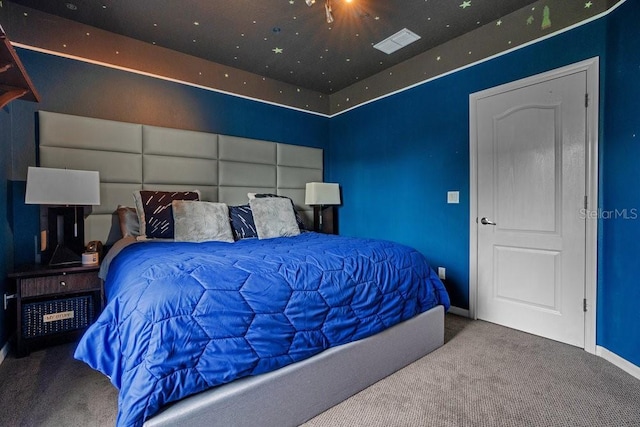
{"x":133,"y":157}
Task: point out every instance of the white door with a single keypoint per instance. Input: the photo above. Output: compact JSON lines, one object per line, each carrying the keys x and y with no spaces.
{"x":531,"y":174}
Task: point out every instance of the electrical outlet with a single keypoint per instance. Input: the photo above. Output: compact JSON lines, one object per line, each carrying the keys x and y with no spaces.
{"x":442,"y":273}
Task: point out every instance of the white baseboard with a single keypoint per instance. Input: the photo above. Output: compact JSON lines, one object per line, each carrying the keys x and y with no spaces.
{"x":621,"y":363}
{"x":4,"y":351}
{"x":459,"y":311}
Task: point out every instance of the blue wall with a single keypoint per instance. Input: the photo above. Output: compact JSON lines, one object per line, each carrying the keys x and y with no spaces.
{"x":619,"y":285}
{"x":6,"y":238}
{"x":397,"y":158}
{"x":84,"y":89}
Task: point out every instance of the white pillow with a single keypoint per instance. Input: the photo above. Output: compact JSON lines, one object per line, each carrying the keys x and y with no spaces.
{"x":201,"y":221}
{"x":274,"y":217}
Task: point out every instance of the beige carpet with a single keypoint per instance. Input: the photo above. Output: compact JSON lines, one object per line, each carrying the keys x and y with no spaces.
{"x":485,"y":375}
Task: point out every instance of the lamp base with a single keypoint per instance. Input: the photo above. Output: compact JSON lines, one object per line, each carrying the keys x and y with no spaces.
{"x":66,"y":231}
{"x":324,"y":220}
{"x":64,"y":256}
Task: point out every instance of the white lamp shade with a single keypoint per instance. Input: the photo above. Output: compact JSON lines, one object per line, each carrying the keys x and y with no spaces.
{"x":322,"y":193}
{"x":49,"y":186}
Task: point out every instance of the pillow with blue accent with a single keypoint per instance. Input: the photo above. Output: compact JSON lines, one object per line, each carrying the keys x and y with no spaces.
{"x":242,"y":224}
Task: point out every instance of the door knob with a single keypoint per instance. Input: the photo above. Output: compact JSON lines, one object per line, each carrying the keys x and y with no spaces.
{"x":485,"y":221}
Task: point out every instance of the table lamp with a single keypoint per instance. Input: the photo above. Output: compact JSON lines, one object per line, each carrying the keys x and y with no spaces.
{"x":65,"y":191}
{"x":320,"y":195}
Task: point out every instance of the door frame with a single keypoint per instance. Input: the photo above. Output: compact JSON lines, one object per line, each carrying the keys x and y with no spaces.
{"x":591,"y":66}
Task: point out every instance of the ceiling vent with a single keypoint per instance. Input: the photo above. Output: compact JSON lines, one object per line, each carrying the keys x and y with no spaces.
{"x":399,"y":40}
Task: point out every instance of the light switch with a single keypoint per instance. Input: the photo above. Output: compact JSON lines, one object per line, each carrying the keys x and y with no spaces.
{"x":453,"y":197}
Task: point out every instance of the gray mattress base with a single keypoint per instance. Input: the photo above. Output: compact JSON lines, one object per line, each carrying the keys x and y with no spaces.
{"x":296,"y":393}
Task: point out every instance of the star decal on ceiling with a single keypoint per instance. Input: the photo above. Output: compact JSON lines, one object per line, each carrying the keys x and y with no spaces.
{"x":588,"y":4}
{"x":465,"y":4}
{"x":499,"y":22}
{"x":277,"y":50}
{"x":530,"y":20}
{"x":546,"y":18}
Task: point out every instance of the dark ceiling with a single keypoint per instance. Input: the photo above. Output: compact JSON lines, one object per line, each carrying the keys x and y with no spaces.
{"x":287,"y":40}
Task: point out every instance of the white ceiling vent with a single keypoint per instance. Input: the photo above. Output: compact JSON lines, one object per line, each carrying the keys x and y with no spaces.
{"x":399,"y":40}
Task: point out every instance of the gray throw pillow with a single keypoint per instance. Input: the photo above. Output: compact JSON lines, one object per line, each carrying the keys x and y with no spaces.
{"x":274,"y":217}
{"x":196,"y":221}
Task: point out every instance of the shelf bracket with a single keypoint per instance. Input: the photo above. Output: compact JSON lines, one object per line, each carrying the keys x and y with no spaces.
{"x":10,"y":95}
{"x":14,"y":81}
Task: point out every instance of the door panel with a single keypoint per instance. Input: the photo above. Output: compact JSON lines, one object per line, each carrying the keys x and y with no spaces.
{"x":525,"y":155}
{"x":527,"y":277}
{"x":531,"y":187}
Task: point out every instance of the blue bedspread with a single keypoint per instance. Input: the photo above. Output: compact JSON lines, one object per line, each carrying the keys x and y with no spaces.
{"x":184,"y":317}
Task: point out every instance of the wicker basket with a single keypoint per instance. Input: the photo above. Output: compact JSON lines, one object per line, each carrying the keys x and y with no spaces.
{"x":53,"y":316}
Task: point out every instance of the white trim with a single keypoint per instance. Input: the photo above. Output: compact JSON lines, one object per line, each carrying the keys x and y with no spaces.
{"x":489,"y":58}
{"x":591,"y":188}
{"x":458,"y":311}
{"x":3,"y":352}
{"x":473,"y":209}
{"x":158,"y":76}
{"x":621,"y":363}
{"x":591,"y":67}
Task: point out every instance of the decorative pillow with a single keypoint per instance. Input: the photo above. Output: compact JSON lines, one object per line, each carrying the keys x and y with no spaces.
{"x":299,"y":220}
{"x":201,"y":221}
{"x":155,"y":213}
{"x":274,"y":217}
{"x":242,"y":224}
{"x":129,"y":223}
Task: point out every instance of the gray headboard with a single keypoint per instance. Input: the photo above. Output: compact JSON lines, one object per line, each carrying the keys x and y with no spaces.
{"x":133,"y":157}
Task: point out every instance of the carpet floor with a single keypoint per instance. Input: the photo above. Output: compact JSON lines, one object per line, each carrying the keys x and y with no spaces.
{"x":484,"y":375}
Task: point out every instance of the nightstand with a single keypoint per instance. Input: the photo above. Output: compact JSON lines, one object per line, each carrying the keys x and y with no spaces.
{"x":54,"y":305}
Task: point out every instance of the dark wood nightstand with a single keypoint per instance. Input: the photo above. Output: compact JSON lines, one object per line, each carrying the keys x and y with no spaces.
{"x":54,"y":305}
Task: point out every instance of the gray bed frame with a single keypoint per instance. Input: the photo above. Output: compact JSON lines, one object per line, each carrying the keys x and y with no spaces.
{"x":224,"y":168}
{"x":296,"y":393}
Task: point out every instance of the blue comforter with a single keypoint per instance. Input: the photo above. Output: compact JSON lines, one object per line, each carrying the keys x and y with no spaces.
{"x":185,"y":317}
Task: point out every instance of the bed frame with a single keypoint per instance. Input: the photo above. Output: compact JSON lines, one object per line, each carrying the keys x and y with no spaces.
{"x":296,"y":393}
{"x":224,"y":168}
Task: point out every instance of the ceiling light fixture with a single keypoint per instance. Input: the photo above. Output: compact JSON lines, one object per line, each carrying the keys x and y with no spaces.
{"x":327,"y":8}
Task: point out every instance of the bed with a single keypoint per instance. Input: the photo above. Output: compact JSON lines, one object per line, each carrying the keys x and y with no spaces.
{"x":185,"y":317}
{"x":267,"y":359}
